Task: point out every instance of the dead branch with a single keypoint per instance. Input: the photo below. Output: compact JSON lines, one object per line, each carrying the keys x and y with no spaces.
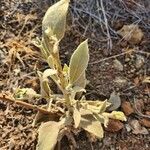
{"x":24,"y":104}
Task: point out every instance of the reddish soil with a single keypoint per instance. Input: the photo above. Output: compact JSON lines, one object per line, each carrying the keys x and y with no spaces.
{"x":20,"y":23}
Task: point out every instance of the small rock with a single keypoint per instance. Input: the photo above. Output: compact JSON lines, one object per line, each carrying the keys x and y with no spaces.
{"x":127,"y":108}
{"x":118,"y":65}
{"x":128,"y":128}
{"x":120,"y":81}
{"x":139,"y":61}
{"x":115,"y":101}
{"x":137,"y":128}
{"x":131,"y":33}
{"x":145,"y":122}
{"x":114,"y":125}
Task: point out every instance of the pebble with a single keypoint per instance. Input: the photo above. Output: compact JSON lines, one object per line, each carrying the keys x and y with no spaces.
{"x":114,"y":125}
{"x":139,"y":61}
{"x":118,"y":65}
{"x":137,"y":128}
{"x":127,"y":108}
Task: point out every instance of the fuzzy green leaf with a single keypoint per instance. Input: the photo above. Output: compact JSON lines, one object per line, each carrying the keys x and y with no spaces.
{"x":55,"y":18}
{"x":48,"y":134}
{"x":78,"y":63}
{"x":81,"y":82}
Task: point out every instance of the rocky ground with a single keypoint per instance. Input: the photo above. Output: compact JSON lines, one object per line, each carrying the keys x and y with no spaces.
{"x":119,"y":42}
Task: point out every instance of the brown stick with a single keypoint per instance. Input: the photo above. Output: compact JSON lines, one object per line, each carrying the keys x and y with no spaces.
{"x":27,"y":105}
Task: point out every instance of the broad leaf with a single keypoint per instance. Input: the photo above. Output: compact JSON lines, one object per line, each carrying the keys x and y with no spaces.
{"x":90,"y":124}
{"x":78,"y":63}
{"x":103,"y":106}
{"x":55,"y":18}
{"x":76,"y":117}
{"x":81,"y":82}
{"x":48,"y":134}
{"x":102,"y":119}
{"x":75,"y":90}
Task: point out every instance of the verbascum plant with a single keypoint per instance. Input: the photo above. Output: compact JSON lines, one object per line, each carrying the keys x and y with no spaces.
{"x":69,"y":110}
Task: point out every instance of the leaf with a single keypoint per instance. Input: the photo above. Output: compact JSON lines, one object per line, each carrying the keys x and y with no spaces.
{"x":115,"y":115}
{"x":44,"y":86}
{"x":78,"y":62}
{"x":65,"y":69}
{"x":50,"y":61}
{"x":65,"y":73}
{"x":76,"y":117}
{"x":81,"y":82}
{"x":146,"y":80}
{"x":115,"y":101}
{"x":118,"y":115}
{"x":102,"y":119}
{"x":74,"y":90}
{"x":103,"y":106}
{"x":98,"y":108}
{"x":55,"y":18}
{"x":48,"y":134}
{"x":49,"y":72}
{"x":85,"y":112}
{"x":90,"y":124}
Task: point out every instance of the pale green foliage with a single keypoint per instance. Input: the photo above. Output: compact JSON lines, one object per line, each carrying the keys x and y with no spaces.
{"x":76,"y":117}
{"x":90,"y":124}
{"x":68,"y":110}
{"x":55,"y":19}
{"x":78,"y":62}
{"x":48,"y":134}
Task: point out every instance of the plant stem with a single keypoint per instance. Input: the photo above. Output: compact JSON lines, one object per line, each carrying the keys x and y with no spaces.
{"x":26,"y":105}
{"x":62,"y":79}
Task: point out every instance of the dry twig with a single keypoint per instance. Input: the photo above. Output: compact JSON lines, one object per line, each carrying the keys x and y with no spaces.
{"x":24,"y":104}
